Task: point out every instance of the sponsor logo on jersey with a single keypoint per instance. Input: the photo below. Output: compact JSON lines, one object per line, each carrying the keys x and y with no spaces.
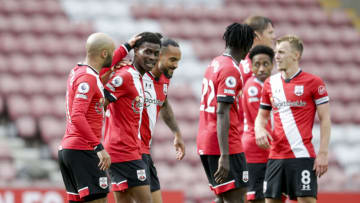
{"x":281,"y":104}
{"x":137,"y":104}
{"x":149,"y":100}
{"x":103,"y":182}
{"x":83,"y":88}
{"x":141,"y":174}
{"x":99,"y":106}
{"x":321,"y":90}
{"x":230,"y":82}
{"x":299,"y":90}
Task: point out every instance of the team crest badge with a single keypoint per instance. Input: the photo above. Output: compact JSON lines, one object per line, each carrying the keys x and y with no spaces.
{"x":165,"y":89}
{"x":141,"y":174}
{"x":299,"y":90}
{"x":103,"y":182}
{"x":245,"y":177}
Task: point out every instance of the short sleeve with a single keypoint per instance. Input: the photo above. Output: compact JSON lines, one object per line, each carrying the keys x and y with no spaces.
{"x":319,"y":92}
{"x":85,"y":88}
{"x":228,"y":82}
{"x":265,"y":102}
{"x":116,"y":86}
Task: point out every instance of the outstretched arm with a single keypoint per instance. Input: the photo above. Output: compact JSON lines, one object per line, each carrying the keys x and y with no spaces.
{"x":168,"y":116}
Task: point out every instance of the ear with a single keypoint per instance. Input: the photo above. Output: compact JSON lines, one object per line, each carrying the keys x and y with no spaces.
{"x":104,"y":53}
{"x":257,"y":36}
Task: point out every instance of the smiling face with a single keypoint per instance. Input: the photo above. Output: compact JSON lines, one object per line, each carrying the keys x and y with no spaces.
{"x":285,"y":55}
{"x":262,"y":66}
{"x":169,"y":59}
{"x":147,"y":55}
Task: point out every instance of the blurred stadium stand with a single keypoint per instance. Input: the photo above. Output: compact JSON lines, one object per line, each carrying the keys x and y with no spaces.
{"x":41,"y":40}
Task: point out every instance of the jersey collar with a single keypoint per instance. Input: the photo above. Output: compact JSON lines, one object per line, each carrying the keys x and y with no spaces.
{"x":228,"y":55}
{"x":82,"y":64}
{"x":292,"y":77}
{"x":259,"y":81}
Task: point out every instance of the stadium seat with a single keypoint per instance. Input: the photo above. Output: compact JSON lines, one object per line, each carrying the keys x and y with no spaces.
{"x":54,"y":85}
{"x":41,"y":65}
{"x":7,"y":171}
{"x":40,"y":106}
{"x":58,"y":106}
{"x":51,"y":128}
{"x":19,"y":64}
{"x":31,"y":85}
{"x":41,"y":25}
{"x":17,"y":106}
{"x":19,"y":24}
{"x":9,"y":43}
{"x":30,"y":44}
{"x":26,"y":127}
{"x":9,"y":85}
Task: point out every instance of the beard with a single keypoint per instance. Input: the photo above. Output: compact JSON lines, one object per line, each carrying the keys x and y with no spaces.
{"x":167,"y":75}
{"x":108,"y":61}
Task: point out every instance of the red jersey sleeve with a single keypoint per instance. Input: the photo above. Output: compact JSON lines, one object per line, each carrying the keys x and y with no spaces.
{"x":265,"y":102}
{"x":228,"y":85}
{"x":84,"y":88}
{"x":120,"y":53}
{"x":319,"y":92}
{"x":117,"y":85}
{"x":251,"y":100}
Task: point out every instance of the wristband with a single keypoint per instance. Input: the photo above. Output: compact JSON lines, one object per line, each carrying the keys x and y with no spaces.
{"x":127,"y":46}
{"x":98,"y":148}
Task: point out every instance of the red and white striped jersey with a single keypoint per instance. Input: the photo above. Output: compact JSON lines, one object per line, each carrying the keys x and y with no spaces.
{"x":155,"y":90}
{"x":123,"y":115}
{"x":84,"y":109}
{"x":222,"y":83}
{"x":294,"y":104}
{"x":250,"y":102}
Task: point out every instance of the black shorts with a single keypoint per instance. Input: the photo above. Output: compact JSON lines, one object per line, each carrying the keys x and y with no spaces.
{"x":151,"y":173}
{"x":128,"y":174}
{"x":256,"y":181}
{"x":294,"y":177}
{"x":238,"y":175}
{"x":82,"y":177}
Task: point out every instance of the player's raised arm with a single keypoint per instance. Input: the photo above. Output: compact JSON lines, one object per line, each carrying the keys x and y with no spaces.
{"x":168,"y":117}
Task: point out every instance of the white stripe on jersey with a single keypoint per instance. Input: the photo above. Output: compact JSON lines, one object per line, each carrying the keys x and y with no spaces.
{"x":287,"y":119}
{"x":98,"y":81}
{"x":151,"y":109}
{"x":322,"y":100}
{"x":138,"y":86}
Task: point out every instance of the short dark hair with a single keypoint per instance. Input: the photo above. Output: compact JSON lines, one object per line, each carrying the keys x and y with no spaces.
{"x":147,"y":37}
{"x":258,"y":23}
{"x":261,"y":49}
{"x":159,"y":35}
{"x":239,"y":36}
{"x":165,"y":42}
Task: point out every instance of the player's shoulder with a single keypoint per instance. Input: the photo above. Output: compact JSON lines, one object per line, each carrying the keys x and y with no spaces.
{"x":252,"y":86}
{"x":310,"y":76}
{"x":85,"y":72}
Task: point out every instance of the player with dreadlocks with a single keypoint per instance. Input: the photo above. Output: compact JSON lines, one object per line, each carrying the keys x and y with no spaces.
{"x":219,"y":140}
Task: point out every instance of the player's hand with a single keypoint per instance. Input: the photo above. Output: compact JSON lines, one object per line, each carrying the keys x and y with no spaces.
{"x":321,"y":164}
{"x":121,"y":64}
{"x":105,"y":160}
{"x":133,"y":40}
{"x":179,"y":146}
{"x":262,"y":138}
{"x":223,"y":169}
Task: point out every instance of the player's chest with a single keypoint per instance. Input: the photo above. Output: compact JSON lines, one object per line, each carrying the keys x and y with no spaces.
{"x":295,"y":95}
{"x":155,"y":93}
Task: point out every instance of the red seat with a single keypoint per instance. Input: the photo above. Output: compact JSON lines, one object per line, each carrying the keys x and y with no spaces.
{"x":58,"y":106}
{"x":7,"y":171}
{"x":9,"y":44}
{"x":72,"y":46}
{"x":9,"y":85}
{"x":31,"y":85}
{"x":19,"y":24}
{"x":338,"y":17}
{"x":54,"y":85}
{"x":51,"y":128}
{"x":62,"y":26}
{"x":40,"y":106}
{"x":10,"y":7}
{"x":54,"y":147}
{"x":19,"y":64}
{"x":26,"y":127}
{"x":17,"y":106}
{"x":30,"y":44}
{"x":41,"y":65}
{"x":41,"y":24}
{"x":317,"y":16}
{"x":62,"y":65}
